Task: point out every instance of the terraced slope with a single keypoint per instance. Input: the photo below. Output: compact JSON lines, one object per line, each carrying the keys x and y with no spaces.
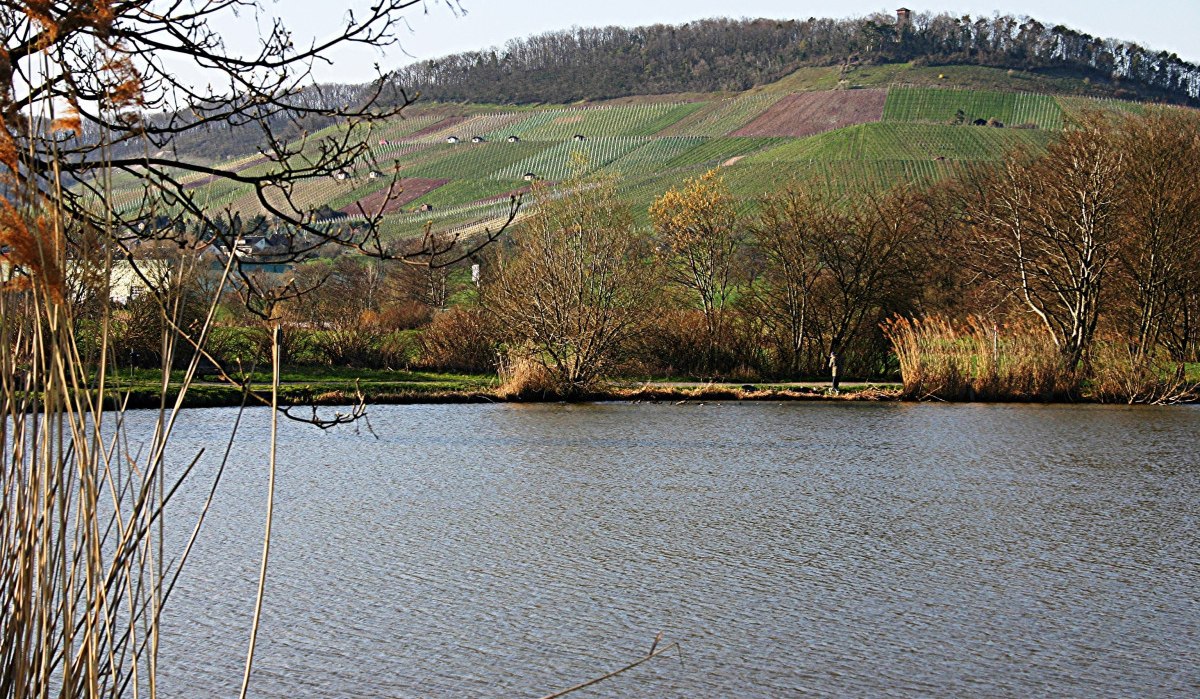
{"x":964,"y":106}
{"x":842,"y":139}
{"x":720,"y":117}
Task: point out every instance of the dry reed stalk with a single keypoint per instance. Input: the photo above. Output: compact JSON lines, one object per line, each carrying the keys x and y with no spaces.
{"x":85,"y":571}
{"x":522,"y":375}
{"x":262,"y":571}
{"x":1121,"y":374}
{"x":978,"y":361}
{"x":653,"y":653}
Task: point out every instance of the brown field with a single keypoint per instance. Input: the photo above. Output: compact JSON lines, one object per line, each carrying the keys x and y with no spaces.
{"x":236,"y":166}
{"x":408,"y":189}
{"x":808,"y":113}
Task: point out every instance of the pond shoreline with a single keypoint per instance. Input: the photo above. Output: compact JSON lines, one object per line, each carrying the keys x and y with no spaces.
{"x":220,"y":395}
{"x":209,"y":396}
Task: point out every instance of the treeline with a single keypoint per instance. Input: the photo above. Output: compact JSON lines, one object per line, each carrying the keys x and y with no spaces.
{"x":734,"y":55}
{"x":1069,"y":272}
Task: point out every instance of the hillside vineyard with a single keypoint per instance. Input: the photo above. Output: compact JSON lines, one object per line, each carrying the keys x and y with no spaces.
{"x":457,"y":166}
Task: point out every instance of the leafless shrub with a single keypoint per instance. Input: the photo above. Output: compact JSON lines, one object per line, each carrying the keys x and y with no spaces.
{"x":460,"y":339}
{"x":1121,"y":374}
{"x":575,"y":284}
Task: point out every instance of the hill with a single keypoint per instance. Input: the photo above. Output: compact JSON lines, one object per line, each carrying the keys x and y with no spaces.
{"x":864,"y":136}
{"x":728,"y":57}
{"x":872,"y":102}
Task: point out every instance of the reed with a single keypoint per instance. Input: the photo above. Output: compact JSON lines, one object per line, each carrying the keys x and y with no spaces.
{"x":977,"y":361}
{"x":523,"y":375}
{"x":86,"y":567}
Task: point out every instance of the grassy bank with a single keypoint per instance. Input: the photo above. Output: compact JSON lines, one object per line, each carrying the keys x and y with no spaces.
{"x":328,"y":387}
{"x":319,"y":386}
{"x":141,"y":388}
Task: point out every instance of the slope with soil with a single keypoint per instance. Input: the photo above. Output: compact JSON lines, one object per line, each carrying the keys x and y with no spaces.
{"x":810,"y":113}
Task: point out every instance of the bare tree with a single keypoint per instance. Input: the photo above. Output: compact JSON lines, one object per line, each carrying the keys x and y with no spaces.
{"x":866,"y":247}
{"x":786,"y":232}
{"x":1048,"y":228}
{"x":1160,"y":254}
{"x":576,"y":283}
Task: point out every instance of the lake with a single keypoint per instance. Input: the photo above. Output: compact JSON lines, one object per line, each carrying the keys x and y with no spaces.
{"x":826,"y":549}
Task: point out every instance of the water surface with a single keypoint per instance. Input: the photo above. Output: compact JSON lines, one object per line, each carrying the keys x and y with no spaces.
{"x":794,"y":549}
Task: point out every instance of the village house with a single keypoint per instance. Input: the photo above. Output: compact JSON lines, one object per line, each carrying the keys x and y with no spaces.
{"x":260,"y":245}
{"x":249,"y":245}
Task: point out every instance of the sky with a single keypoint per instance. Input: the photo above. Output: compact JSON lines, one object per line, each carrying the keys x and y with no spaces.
{"x":435,"y":29}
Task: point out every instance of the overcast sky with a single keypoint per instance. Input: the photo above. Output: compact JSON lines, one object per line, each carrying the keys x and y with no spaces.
{"x":436,"y":30}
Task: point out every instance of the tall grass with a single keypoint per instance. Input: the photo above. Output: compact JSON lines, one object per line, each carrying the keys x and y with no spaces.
{"x":85,"y":571}
{"x":523,"y":375}
{"x":977,"y":361}
{"x":983,"y":361}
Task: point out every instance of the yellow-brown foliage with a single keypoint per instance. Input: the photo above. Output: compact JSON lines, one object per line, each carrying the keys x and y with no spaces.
{"x":34,"y":249}
{"x":69,"y":121}
{"x":39,"y":12}
{"x":125,"y":89}
{"x":686,"y":215}
{"x":8,"y":158}
{"x":34,"y":245}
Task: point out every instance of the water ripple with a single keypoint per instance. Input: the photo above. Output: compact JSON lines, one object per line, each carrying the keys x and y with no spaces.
{"x":793,"y":550}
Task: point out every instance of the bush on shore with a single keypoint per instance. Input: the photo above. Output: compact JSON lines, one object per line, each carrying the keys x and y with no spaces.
{"x":978,"y":361}
{"x":991,"y":362}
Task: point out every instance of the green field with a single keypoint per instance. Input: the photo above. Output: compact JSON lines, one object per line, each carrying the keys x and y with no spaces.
{"x":753,"y":180}
{"x":942,"y":106}
{"x":911,"y":142}
{"x":457,"y":192}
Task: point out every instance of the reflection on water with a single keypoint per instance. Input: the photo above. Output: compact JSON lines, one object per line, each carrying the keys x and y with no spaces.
{"x":831,"y":549}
